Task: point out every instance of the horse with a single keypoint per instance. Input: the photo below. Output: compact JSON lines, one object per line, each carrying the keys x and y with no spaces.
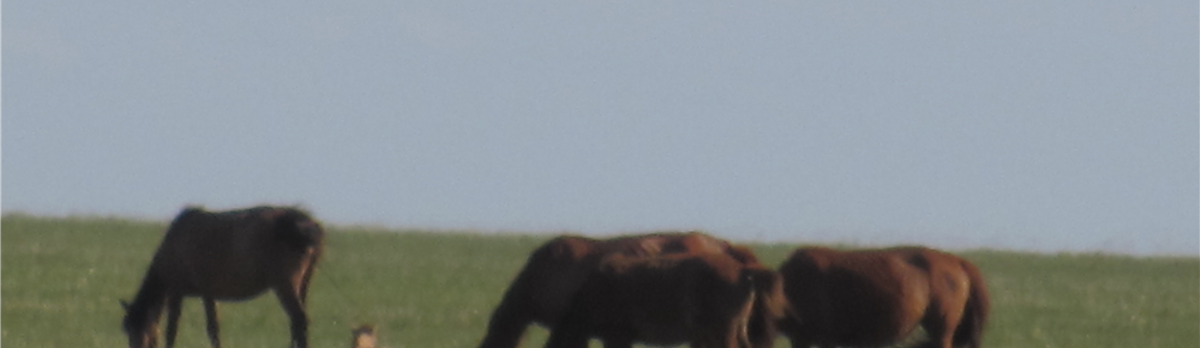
{"x":704,"y":299}
{"x":878,"y":297}
{"x":554,"y":271}
{"x":228,"y":256}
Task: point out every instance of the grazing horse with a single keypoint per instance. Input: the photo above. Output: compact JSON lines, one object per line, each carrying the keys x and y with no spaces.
{"x":704,"y":299}
{"x":233,"y":255}
{"x":544,"y":288}
{"x":879,"y":297}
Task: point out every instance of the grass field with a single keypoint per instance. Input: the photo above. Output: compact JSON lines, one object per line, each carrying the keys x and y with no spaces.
{"x":62,"y":279}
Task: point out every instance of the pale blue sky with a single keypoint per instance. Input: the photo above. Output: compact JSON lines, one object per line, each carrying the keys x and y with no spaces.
{"x":1032,"y":125}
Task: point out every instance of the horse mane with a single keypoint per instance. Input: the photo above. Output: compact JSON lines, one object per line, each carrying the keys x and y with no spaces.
{"x":188,"y":213}
{"x":147,"y":304}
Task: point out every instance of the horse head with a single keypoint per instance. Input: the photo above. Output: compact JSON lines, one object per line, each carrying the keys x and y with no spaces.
{"x":142,"y":331}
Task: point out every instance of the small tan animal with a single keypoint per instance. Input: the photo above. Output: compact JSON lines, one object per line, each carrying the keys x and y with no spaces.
{"x":363,"y":337}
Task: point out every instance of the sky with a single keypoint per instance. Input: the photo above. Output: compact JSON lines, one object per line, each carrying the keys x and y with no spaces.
{"x":1064,"y":126}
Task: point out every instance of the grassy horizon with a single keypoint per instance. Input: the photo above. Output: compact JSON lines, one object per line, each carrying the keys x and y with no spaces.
{"x":62,"y":278}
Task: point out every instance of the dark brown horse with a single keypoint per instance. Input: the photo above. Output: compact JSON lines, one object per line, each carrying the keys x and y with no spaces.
{"x":704,"y":299}
{"x":544,"y":288}
{"x":879,"y":297}
{"x":233,"y":255}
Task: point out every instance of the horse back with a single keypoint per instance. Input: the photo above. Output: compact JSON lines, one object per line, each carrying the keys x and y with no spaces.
{"x":237,"y":254}
{"x":661,"y":243}
{"x":555,"y":270}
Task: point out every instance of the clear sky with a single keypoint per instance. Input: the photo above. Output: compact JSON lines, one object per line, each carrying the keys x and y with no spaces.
{"x":1031,"y":125}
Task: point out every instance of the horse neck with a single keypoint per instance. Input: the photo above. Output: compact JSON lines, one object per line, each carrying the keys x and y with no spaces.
{"x":148,"y":303}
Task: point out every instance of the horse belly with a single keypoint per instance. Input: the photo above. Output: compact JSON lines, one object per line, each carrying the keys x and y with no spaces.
{"x":229,"y":284}
{"x":663,"y":332}
{"x":890,"y":312}
{"x":237,"y":294}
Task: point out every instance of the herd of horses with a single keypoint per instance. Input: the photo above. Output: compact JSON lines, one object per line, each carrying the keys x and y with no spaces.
{"x":657,"y":289}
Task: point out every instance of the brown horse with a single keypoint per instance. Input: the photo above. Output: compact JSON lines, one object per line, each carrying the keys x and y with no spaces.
{"x":879,"y":297}
{"x":234,"y":255}
{"x":704,"y":299}
{"x":543,"y":289}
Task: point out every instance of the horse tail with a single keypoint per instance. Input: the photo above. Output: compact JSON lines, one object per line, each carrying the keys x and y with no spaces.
{"x":314,"y":258}
{"x":970,"y":329}
{"x":767,"y":292}
{"x":298,"y":229}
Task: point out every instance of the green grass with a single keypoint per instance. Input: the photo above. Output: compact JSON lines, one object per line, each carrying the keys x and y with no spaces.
{"x":62,"y":279}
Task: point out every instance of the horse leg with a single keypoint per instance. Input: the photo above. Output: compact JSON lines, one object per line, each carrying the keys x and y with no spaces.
{"x":939,"y":323}
{"x":289,"y":297}
{"x":210,"y":318}
{"x":174,"y":302}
